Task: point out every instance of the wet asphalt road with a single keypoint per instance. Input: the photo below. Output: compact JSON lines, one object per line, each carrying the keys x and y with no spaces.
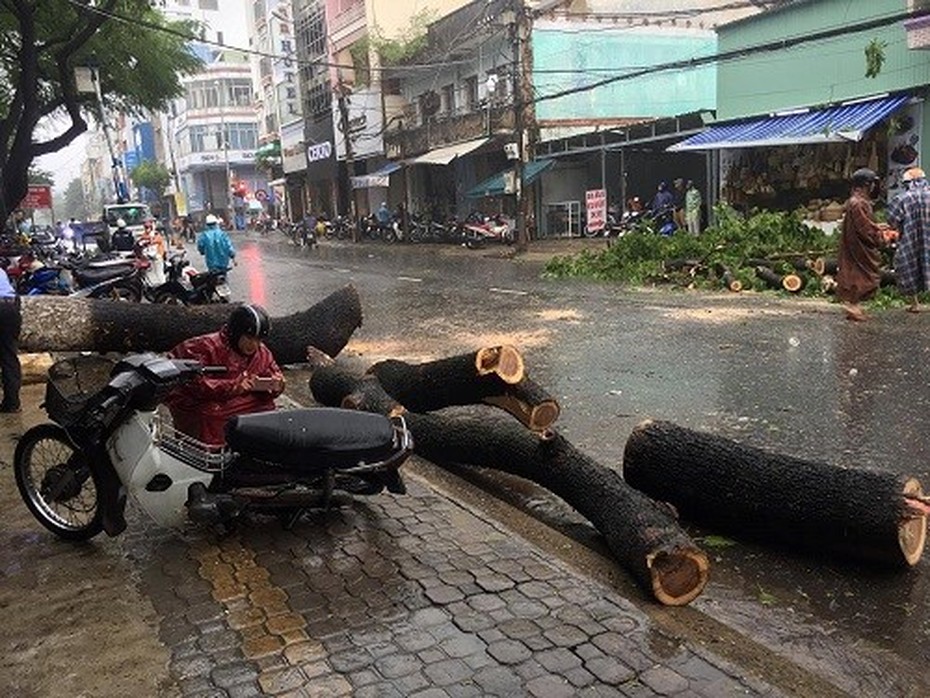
{"x":779,"y":374}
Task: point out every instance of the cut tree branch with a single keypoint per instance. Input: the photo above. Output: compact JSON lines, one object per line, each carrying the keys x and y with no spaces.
{"x":722,"y":484}
{"x":641,"y":533}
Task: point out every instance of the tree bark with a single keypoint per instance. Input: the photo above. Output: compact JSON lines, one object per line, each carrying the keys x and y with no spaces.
{"x":642,"y":534}
{"x":854,"y":512}
{"x":53,"y":323}
{"x":492,"y":375}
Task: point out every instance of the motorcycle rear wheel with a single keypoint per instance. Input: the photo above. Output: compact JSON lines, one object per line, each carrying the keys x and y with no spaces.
{"x":166,"y":297}
{"x":57,"y":484}
{"x":125,"y":291}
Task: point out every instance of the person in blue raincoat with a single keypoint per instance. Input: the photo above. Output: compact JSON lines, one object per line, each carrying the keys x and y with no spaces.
{"x":215,"y":246}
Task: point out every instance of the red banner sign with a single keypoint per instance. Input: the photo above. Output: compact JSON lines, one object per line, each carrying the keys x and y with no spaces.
{"x":39,"y":196}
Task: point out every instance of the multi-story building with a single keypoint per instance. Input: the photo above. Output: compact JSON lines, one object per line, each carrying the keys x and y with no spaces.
{"x":96,"y":174}
{"x":277,"y":99}
{"x":343,"y":84}
{"x":212,"y":132}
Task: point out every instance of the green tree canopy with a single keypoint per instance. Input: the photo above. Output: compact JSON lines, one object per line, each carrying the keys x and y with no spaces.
{"x":151,"y":175}
{"x":72,"y":205}
{"x":139,"y":56}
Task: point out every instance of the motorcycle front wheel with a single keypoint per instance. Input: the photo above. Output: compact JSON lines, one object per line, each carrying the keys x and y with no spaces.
{"x":57,"y":483}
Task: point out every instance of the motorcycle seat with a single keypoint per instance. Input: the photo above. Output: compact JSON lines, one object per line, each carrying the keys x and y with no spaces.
{"x":312,"y":437}
{"x":88,"y":276}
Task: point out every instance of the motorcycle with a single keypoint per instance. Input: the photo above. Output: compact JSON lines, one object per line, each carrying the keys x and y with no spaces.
{"x":479,"y":229}
{"x":102,"y":276}
{"x":108,"y":440}
{"x":184,"y":285}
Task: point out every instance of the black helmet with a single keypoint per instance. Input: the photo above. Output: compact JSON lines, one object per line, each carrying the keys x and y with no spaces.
{"x":863,"y":176}
{"x":251,"y":320}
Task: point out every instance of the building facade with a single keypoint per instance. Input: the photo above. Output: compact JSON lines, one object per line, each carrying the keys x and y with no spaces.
{"x":794,"y":144}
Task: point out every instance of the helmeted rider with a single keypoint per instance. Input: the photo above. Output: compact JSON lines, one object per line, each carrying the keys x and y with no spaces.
{"x":216,"y":246}
{"x":201,"y":408}
{"x":122,"y":239}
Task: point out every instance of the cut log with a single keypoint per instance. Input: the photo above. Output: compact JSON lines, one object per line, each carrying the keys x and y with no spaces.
{"x":53,"y":323}
{"x":830,"y":266}
{"x":722,"y":484}
{"x":827,"y":283}
{"x":729,"y":281}
{"x":887,"y":278}
{"x":818,"y":266}
{"x":492,"y":375}
{"x":789,"y":282}
{"x":644,"y":535}
{"x":685,"y":265}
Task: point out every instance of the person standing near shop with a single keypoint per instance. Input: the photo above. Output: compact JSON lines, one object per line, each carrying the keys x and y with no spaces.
{"x":11,"y":322}
{"x":909,"y":213}
{"x":679,"y":192}
{"x":693,"y":208}
{"x":862,"y":238}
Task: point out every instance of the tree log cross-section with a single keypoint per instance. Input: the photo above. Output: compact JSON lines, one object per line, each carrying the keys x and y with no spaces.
{"x":643,"y":534}
{"x":492,"y":375}
{"x":52,"y":323}
{"x":866,"y":514}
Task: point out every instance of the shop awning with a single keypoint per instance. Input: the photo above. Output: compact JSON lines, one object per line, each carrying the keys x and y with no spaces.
{"x":272,"y":149}
{"x":497,"y":185}
{"x":443,"y":156}
{"x":838,"y":124}
{"x":378,"y":178}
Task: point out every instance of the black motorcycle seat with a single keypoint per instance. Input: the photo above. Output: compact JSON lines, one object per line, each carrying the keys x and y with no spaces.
{"x":313,"y":437}
{"x":88,"y":276}
{"x":202,"y":278}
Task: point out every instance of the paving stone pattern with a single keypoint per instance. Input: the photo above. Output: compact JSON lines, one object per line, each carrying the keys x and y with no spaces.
{"x":401,"y":596}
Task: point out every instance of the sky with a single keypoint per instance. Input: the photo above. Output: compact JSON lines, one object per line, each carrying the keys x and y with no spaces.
{"x":64,"y":165}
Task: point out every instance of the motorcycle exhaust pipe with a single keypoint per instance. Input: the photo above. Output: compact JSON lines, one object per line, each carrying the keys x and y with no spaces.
{"x":208,"y":507}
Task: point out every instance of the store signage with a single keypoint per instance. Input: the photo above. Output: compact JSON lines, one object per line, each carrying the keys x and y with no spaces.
{"x":596,"y":208}
{"x":38,"y":196}
{"x":320,"y":151}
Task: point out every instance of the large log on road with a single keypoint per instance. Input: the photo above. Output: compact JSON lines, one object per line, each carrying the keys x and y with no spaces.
{"x":53,"y":323}
{"x":866,"y":514}
{"x":642,"y":534}
{"x":492,"y":375}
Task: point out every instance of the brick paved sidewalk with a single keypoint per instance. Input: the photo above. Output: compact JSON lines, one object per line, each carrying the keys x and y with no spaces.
{"x":402,"y":596}
{"x":412,"y":595}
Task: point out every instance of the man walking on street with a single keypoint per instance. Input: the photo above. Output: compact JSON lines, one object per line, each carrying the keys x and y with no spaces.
{"x":10,"y":326}
{"x":909,"y":214}
{"x":215,"y":246}
{"x":862,"y":238}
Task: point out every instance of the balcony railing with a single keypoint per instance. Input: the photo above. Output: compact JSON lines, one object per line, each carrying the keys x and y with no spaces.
{"x":446,"y":129}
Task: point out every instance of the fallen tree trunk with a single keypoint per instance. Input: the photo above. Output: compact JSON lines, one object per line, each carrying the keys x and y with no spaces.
{"x":641,"y":533}
{"x":492,"y":375}
{"x":53,"y":323}
{"x":870,"y":515}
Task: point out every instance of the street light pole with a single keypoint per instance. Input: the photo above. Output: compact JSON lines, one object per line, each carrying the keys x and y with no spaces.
{"x":220,"y":100}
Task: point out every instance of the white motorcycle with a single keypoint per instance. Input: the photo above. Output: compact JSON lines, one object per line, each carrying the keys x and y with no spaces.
{"x":109,"y":439}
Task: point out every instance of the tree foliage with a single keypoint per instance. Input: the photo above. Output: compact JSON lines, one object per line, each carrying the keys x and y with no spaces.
{"x":72,"y":205}
{"x":139,"y":56}
{"x":152,"y":175}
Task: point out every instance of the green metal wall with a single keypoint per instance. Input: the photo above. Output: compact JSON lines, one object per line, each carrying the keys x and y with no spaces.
{"x":831,"y":70}
{"x":579,"y":55}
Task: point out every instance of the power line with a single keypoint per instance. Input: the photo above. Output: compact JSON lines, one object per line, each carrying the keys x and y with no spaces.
{"x":776,"y":45}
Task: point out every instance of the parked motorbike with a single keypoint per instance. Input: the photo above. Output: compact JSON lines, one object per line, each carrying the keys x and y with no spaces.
{"x":187,"y":286}
{"x":102,"y":276}
{"x":108,"y":439}
{"x":479,"y":229}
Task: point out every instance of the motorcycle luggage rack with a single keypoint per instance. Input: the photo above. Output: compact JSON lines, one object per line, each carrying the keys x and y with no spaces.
{"x":71,"y":383}
{"x":187,"y":449}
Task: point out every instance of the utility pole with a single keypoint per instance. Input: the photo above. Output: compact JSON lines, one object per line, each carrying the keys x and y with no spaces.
{"x":519,"y":117}
{"x":119,"y":186}
{"x":350,"y":159}
{"x":221,"y":103}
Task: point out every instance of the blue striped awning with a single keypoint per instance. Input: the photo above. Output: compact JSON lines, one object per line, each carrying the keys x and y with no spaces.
{"x":839,"y":124}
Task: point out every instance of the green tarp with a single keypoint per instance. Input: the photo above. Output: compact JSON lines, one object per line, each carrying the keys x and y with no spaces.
{"x":495,"y":186}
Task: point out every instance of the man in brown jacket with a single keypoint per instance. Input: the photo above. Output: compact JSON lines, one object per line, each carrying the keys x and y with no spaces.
{"x":862,"y":238}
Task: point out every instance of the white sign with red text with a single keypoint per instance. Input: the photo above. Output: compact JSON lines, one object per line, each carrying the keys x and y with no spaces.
{"x":596,"y":208}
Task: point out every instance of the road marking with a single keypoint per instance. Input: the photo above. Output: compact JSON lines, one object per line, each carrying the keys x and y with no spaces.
{"x":410,"y":278}
{"x":511,"y":291}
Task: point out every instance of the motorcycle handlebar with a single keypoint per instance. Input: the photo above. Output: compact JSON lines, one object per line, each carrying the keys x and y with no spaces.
{"x":213,"y":370}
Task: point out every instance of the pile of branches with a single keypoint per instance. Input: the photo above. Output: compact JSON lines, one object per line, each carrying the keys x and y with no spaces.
{"x":765,"y":250}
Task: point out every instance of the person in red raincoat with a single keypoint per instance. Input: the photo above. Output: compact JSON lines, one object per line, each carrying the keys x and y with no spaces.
{"x":202,"y":407}
{"x":859,"y":256}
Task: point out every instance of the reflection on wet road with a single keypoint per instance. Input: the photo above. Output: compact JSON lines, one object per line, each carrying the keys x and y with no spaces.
{"x":783,"y":375}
